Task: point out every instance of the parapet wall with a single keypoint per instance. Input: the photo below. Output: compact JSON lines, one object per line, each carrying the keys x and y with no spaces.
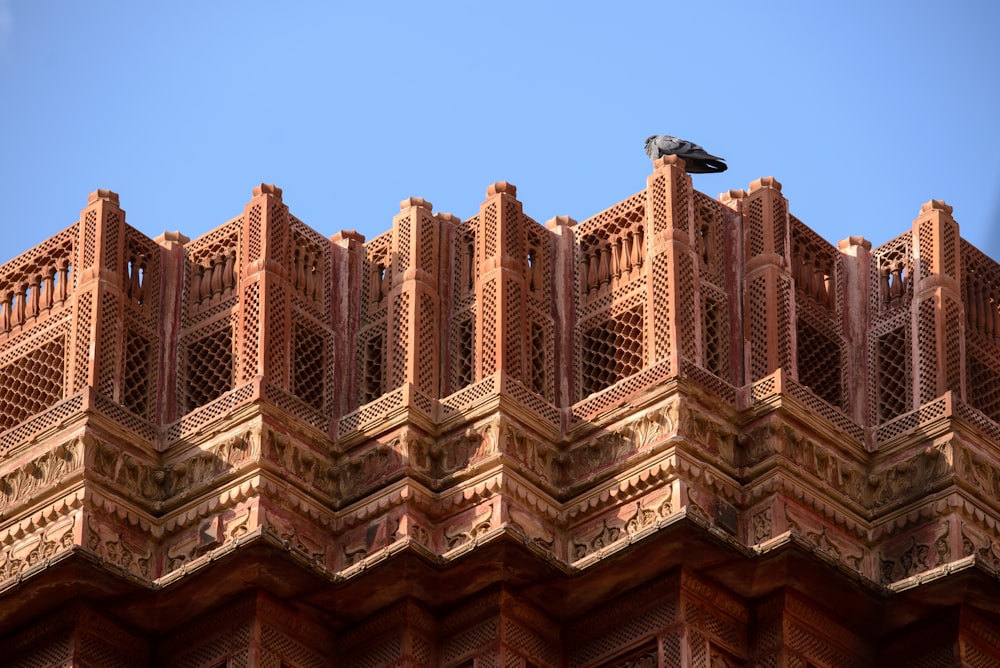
{"x":438,"y":315}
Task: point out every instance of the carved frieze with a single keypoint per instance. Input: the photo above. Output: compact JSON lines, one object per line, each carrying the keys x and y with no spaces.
{"x":836,"y":472}
{"x":825,"y":537}
{"x":612,"y":447}
{"x":533,"y":527}
{"x":912,"y":476}
{"x":146,"y":478}
{"x":40,"y":473}
{"x":470,"y":526}
{"x":463,"y":449}
{"x":982,"y":544}
{"x":920,"y":550}
{"x":979,"y":470}
{"x":625,"y":522}
{"x":107,"y":541}
{"x":210,"y":533}
{"x":44,"y":543}
{"x":375,"y":464}
{"x":315,"y":469}
{"x":714,"y":437}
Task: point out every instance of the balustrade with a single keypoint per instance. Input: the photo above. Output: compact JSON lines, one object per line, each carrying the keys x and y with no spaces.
{"x":212,"y":282}
{"x":33,"y":292}
{"x":613,"y":261}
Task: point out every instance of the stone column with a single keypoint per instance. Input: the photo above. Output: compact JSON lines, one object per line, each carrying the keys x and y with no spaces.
{"x":97,"y":308}
{"x":769,"y":333}
{"x":938,"y":322}
{"x":414,"y":308}
{"x":500,"y":285}
{"x":262,"y":337}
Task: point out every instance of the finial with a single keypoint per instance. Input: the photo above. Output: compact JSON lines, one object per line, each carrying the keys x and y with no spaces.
{"x":447,"y":217}
{"x":349,"y":235}
{"x":936,"y":205}
{"x":267,"y":189}
{"x":502,"y":187}
{"x":102,"y":194}
{"x":854,"y":241}
{"x":559,"y":221}
{"x":665,"y":161}
{"x":765,"y":182}
{"x":418,"y":202}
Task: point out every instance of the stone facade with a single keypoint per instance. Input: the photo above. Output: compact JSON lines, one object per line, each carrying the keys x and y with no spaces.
{"x":684,"y":432}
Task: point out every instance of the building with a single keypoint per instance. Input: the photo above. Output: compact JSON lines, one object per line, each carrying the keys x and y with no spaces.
{"x":684,"y":432}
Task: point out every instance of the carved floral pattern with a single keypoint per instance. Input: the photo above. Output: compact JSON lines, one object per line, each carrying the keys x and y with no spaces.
{"x":40,"y":473}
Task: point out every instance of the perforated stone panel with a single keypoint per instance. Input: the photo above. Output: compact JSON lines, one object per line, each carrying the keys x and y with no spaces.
{"x":427,"y":343}
{"x":400,"y":339}
{"x":625,"y":635}
{"x":512,"y":333}
{"x":107,"y":359}
{"x":309,"y":364}
{"x":760,"y":364}
{"x":53,"y":652}
{"x":469,"y":641}
{"x":249,"y":333}
{"x":984,"y":380}
{"x":32,"y":383}
{"x":209,"y":371}
{"x":819,"y":361}
{"x":927,"y":349}
{"x":715,"y":333}
{"x":489,"y":342}
{"x":89,"y":250}
{"x":139,"y":373}
{"x":612,"y":351}
{"x":290,"y":651}
{"x":686,"y":312}
{"x":893,"y":373}
{"x":372,"y":369}
{"x":756,"y":217}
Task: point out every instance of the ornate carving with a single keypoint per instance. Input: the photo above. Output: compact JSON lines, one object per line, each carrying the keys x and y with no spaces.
{"x":898,"y":481}
{"x":146,"y":479}
{"x":469,"y":528}
{"x":644,"y":660}
{"x":911,"y":561}
{"x":761,"y":525}
{"x":41,"y":473}
{"x":306,"y":465}
{"x":466,"y":447}
{"x":116,"y":549}
{"x":36,"y":548}
{"x":531,"y":526}
{"x":717,"y":438}
{"x":605,"y":536}
{"x":615,"y":446}
{"x":979,"y":470}
{"x":376,"y":464}
{"x":211,"y":533}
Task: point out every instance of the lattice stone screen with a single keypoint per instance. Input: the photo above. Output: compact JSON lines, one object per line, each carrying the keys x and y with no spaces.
{"x":612,"y":351}
{"x":208,"y":369}
{"x":32,"y":382}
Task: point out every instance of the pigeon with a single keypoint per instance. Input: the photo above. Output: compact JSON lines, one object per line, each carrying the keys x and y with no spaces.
{"x":696,"y":159}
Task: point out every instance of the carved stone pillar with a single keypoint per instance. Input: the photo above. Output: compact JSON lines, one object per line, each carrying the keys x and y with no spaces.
{"x":262,"y":338}
{"x":938,"y":318}
{"x":97,"y":310}
{"x":767,"y":304}
{"x":500,"y":287}
{"x":414,"y":306}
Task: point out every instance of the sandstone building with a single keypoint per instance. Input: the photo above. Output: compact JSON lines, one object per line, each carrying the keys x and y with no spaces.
{"x":684,"y":432}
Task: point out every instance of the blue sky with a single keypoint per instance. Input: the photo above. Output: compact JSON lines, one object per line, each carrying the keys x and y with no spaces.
{"x":863,"y":110}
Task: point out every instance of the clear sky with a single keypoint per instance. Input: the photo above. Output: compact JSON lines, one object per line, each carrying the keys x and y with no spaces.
{"x":863,"y":110}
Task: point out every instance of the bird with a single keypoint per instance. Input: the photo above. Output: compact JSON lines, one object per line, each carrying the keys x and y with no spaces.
{"x":696,"y":159}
